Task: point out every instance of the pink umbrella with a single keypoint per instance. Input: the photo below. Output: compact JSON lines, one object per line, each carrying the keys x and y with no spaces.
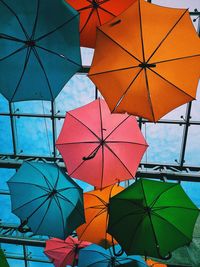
{"x":64,"y":252}
{"x":99,"y":147}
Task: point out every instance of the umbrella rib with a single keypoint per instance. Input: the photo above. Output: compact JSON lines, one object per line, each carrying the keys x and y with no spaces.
{"x":61,"y":196}
{"x":46,"y":180}
{"x":41,"y":222}
{"x":78,"y":143}
{"x":13,"y":53}
{"x":43,"y":69}
{"x":57,"y":28}
{"x":124,"y":94}
{"x":159,"y":216}
{"x":41,"y":187}
{"x":84,"y":126}
{"x":107,"y":11}
{"x":100,"y":199}
{"x":62,"y":217}
{"x":120,"y":45}
{"x":167,"y":34}
{"x":88,"y":18}
{"x":164,"y":191}
{"x":58,"y":175}
{"x":117,"y":127}
{"x":59,"y":55}
{"x":30,"y":202}
{"x":172,"y":84}
{"x":110,"y":71}
{"x":172,"y":207}
{"x":23,"y":71}
{"x":97,"y":262}
{"x":98,"y":16}
{"x":149,"y":94}
{"x":84,"y":8}
{"x":141,"y":32}
{"x":126,"y":142}
{"x":102,"y":150}
{"x":11,"y":38}
{"x":119,"y":160}
{"x":91,"y":221}
{"x":13,"y":12}
{"x":174,"y":59}
{"x":36,"y":20}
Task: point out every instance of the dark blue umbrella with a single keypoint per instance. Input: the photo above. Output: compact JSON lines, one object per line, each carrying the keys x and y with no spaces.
{"x":46,"y":199}
{"x":39,"y":48}
{"x":96,"y":256}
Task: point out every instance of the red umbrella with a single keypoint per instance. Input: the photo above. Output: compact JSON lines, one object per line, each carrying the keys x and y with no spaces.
{"x":99,"y":147}
{"x":64,"y":252}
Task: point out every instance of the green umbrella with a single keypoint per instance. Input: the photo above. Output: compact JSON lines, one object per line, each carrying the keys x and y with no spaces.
{"x":152,"y":218}
{"x":3,"y":261}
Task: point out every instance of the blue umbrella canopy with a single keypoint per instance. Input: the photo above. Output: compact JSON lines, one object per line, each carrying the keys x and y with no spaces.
{"x":46,"y":199}
{"x":96,"y":256}
{"x":39,"y":48}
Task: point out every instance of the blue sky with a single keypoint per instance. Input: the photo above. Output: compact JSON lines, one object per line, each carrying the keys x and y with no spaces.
{"x":35,"y":135}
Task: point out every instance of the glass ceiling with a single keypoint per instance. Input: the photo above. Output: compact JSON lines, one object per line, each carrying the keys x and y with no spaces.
{"x":174,"y":145}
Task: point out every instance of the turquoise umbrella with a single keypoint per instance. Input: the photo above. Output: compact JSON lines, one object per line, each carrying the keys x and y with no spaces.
{"x":46,"y":199}
{"x":39,"y":48}
{"x":96,"y":256}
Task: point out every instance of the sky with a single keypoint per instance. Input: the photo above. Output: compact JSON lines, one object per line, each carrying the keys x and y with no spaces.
{"x":35,"y":135}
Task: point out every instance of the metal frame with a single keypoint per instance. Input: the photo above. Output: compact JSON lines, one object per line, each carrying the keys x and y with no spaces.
{"x":177,"y":172}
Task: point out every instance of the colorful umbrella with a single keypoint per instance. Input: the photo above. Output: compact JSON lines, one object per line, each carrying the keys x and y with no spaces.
{"x":97,"y":256}
{"x":64,"y":252}
{"x":96,"y":215}
{"x":152,"y":218}
{"x":157,"y":67}
{"x":39,"y":48}
{"x":94,"y":13}
{"x":3,"y":261}
{"x":93,"y":140}
{"x":46,"y":199}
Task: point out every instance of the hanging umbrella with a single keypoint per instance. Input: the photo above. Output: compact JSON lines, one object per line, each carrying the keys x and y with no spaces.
{"x":96,"y":216}
{"x":152,"y":218}
{"x":97,"y":256}
{"x":93,"y":140}
{"x":64,"y":252}
{"x":46,"y":199}
{"x":39,"y":48}
{"x":94,"y":13}
{"x":157,"y":67}
{"x":3,"y":261}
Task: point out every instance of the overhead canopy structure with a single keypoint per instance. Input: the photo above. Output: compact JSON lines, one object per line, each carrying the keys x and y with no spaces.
{"x":173,"y":152}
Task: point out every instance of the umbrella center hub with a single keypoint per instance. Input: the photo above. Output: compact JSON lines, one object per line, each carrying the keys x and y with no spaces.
{"x":53,"y":192}
{"x":102,"y":142}
{"x":147,"y":209}
{"x":112,"y":260}
{"x":145,"y":65}
{"x":95,"y":4}
{"x":30,"y":43}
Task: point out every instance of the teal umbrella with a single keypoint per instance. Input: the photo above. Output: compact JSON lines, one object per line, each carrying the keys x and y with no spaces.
{"x":3,"y":261}
{"x":152,"y":218}
{"x":39,"y":48}
{"x":46,"y":199}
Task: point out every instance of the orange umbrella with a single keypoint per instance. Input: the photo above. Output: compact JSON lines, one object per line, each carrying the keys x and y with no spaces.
{"x":147,"y":60}
{"x":152,"y":263}
{"x":96,"y":216}
{"x":94,"y":13}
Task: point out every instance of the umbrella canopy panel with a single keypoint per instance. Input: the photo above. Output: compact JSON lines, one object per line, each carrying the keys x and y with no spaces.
{"x":46,"y":199}
{"x":152,"y":218}
{"x":39,"y":48}
{"x":158,"y":60}
{"x":94,"y":13}
{"x":93,"y":140}
{"x":64,"y":252}
{"x":96,"y":205}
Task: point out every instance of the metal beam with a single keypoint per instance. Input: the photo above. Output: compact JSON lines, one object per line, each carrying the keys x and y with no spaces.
{"x":146,"y":170}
